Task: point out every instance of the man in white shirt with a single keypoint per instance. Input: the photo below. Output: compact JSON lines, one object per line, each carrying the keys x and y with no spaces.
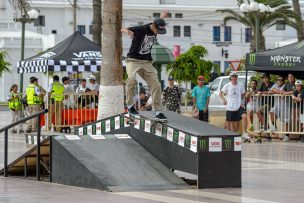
{"x":234,"y":93}
{"x":69,"y":93}
{"x":94,"y":90}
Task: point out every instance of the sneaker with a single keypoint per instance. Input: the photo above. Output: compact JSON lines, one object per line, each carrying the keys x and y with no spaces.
{"x":301,"y":139}
{"x":28,"y":131}
{"x":14,"y":131}
{"x":285,"y":139}
{"x":245,"y":136}
{"x":132,"y":111}
{"x":21,"y":131}
{"x":161,"y":116}
{"x":272,"y":128}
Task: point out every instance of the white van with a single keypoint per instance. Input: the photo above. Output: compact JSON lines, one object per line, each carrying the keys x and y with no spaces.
{"x":216,"y":103}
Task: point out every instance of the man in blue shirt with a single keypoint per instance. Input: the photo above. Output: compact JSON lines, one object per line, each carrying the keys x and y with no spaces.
{"x":201,"y":95}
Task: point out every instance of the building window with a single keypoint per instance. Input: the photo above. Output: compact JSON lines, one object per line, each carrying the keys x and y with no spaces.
{"x":40,"y":21}
{"x":167,"y":2}
{"x":81,"y":29}
{"x":187,"y":31}
{"x":226,"y":65}
{"x":54,"y":31}
{"x":178,"y":15}
{"x":248,"y":34}
{"x":90,"y":29}
{"x":176,"y":31}
{"x":169,"y":15}
{"x":280,"y":25}
{"x":156,"y":15}
{"x":227,"y":33}
{"x":216,"y":33}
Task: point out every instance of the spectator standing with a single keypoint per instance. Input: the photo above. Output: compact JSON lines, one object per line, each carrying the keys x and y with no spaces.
{"x":56,"y":93}
{"x":94,"y":90}
{"x":15,"y":106}
{"x":201,"y":95}
{"x":298,"y":98}
{"x":34,"y":99}
{"x":278,"y":108}
{"x":288,"y":91}
{"x":68,"y":101}
{"x":252,"y":102}
{"x":265,"y":103}
{"x":83,"y":100}
{"x":234,"y":92}
{"x":172,"y":96}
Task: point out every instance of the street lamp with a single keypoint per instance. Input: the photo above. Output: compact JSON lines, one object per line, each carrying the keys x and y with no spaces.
{"x":256,"y":8}
{"x":26,"y":17}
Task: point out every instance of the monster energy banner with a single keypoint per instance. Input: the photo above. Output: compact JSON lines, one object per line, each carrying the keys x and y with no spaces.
{"x":282,"y":60}
{"x":183,"y":139}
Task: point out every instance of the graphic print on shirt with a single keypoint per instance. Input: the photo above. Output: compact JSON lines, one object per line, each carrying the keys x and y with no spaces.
{"x":235,"y":92}
{"x":147,"y":44}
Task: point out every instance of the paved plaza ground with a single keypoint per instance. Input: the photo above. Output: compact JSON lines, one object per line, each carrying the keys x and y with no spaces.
{"x":271,"y":172}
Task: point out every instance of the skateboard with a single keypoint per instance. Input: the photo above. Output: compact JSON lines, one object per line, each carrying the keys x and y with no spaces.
{"x":132,"y":119}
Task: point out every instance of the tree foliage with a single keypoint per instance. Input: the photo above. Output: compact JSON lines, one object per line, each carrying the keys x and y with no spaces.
{"x":4,"y":65}
{"x":191,"y":64}
{"x":283,"y":12}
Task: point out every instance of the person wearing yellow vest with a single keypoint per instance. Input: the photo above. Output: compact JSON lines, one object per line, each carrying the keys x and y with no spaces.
{"x":15,"y":106}
{"x":56,"y":95}
{"x":34,"y":99}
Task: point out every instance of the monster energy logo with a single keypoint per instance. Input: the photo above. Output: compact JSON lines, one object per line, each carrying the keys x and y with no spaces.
{"x":252,"y":59}
{"x":300,"y":45}
{"x":203,"y":145}
{"x":228,"y":144}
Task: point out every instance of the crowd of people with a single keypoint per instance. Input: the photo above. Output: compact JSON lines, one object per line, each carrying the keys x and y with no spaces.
{"x":59,"y":96}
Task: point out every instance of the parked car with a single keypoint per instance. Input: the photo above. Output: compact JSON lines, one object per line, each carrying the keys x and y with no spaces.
{"x":216,"y":103}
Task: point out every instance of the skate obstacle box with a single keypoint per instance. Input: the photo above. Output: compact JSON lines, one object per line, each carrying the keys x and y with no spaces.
{"x":113,"y":155}
{"x":183,"y":144}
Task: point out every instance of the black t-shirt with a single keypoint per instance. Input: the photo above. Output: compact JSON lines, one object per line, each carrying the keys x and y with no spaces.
{"x":264,"y":87}
{"x":142,"y":42}
{"x":296,"y":93}
{"x":266,"y":99}
{"x":289,"y":87}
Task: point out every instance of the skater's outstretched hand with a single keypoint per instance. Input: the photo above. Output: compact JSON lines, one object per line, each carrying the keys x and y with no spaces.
{"x":164,"y":14}
{"x":127,"y":31}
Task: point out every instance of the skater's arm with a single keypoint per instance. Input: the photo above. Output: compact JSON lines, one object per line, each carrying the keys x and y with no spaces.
{"x":127,"y":31}
{"x":164,"y":14}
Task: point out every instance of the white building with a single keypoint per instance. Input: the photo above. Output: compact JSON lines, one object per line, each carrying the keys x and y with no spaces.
{"x":192,"y":22}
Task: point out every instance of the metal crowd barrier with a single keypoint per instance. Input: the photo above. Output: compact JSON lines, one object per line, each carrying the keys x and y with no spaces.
{"x":76,"y":109}
{"x":276,"y":114}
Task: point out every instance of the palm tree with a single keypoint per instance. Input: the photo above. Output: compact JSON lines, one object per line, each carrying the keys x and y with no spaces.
{"x":4,"y":65}
{"x":97,"y":29}
{"x":297,"y":9}
{"x":283,"y":12}
{"x":111,"y":97}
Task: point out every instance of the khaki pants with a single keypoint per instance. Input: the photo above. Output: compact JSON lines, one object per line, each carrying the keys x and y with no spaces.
{"x":149,"y":74}
{"x":32,"y":124}
{"x":56,"y":109}
{"x":16,"y":115}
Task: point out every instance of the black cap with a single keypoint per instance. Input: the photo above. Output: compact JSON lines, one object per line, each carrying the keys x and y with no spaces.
{"x":265,"y":75}
{"x":170,"y":78}
{"x":160,"y":25}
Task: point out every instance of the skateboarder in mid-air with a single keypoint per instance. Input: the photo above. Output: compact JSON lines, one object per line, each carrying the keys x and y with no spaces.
{"x":139,"y":60}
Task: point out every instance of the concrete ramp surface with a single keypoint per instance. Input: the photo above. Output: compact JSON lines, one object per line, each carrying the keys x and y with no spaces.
{"x":112,"y":163}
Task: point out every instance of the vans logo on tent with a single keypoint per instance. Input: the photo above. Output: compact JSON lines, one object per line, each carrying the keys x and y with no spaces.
{"x":88,"y":54}
{"x":285,"y":60}
{"x":46,"y":55}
